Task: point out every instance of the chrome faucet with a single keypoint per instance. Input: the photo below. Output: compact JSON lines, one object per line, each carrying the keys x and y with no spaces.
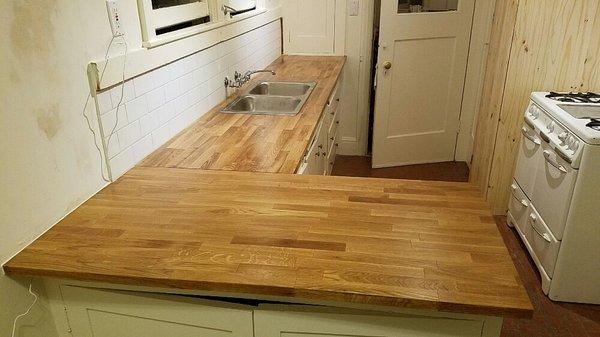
{"x":228,"y":9}
{"x":239,"y":79}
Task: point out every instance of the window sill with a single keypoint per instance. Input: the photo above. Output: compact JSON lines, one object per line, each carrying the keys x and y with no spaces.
{"x":182,"y":34}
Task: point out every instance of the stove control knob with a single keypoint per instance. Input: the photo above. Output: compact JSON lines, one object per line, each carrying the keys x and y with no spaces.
{"x":563,"y":137}
{"x":551,"y":126}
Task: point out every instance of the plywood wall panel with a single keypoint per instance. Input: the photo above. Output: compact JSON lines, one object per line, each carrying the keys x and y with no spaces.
{"x":555,"y":46}
{"x":505,"y":16}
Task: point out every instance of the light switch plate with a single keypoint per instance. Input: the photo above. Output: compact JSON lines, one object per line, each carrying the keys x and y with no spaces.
{"x":354,"y":7}
{"x":112,"y":7}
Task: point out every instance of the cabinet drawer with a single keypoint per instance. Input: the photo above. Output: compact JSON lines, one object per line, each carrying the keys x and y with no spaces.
{"x":543,"y":243}
{"x":518,"y":206}
{"x":331,"y":153}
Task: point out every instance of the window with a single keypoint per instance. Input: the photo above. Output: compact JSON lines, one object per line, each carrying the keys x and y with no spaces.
{"x":167,"y":20}
{"x":161,"y":17}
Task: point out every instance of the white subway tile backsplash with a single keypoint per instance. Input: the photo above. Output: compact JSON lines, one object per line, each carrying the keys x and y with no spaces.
{"x":179,"y":104}
{"x":143,"y":84}
{"x":162,"y":134}
{"x":162,"y":76}
{"x":143,"y":148}
{"x":172,"y":90}
{"x":104,"y":103}
{"x":129,"y":134}
{"x":186,"y":83}
{"x":128,"y":93}
{"x":165,"y":101}
{"x":110,"y":122}
{"x":149,"y":122}
{"x":155,"y":98}
{"x":165,"y":113}
{"x":137,"y":108}
{"x":112,"y":145}
{"x":122,"y":163}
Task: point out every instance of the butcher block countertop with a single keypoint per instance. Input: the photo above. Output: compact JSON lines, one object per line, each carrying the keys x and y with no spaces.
{"x":256,"y":143}
{"x":354,"y":241}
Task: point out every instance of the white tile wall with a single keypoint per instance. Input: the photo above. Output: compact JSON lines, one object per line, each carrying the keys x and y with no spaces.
{"x":161,"y":103}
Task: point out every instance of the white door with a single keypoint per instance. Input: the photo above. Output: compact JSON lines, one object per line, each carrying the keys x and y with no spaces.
{"x":108,"y":313}
{"x":419,"y":97}
{"x":310,"y":26}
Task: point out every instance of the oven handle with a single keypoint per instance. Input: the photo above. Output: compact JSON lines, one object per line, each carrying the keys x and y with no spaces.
{"x":530,"y":137}
{"x":544,"y":236}
{"x":547,"y":156}
{"x":521,"y":201}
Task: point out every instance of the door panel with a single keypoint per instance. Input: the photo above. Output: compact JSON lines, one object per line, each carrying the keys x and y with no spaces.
{"x":419,"y":97}
{"x":108,"y":313}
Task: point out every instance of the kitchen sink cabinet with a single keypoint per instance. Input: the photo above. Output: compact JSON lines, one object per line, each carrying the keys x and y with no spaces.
{"x":88,"y":311}
{"x":320,"y":156}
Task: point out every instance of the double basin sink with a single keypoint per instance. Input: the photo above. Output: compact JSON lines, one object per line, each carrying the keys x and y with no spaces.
{"x":272,"y":98}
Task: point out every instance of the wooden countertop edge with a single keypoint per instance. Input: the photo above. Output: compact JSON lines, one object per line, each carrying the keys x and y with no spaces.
{"x":286,"y":292}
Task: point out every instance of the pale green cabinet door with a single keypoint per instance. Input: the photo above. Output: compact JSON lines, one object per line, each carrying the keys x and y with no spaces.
{"x":108,"y":313}
{"x":306,"y":324}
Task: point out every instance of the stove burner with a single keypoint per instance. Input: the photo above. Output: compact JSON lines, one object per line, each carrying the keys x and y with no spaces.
{"x":594,"y":124}
{"x":571,"y":97}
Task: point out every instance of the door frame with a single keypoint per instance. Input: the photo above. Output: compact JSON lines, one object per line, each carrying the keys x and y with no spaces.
{"x":481,"y":29}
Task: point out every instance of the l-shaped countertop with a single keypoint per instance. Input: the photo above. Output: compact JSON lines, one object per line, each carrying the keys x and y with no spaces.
{"x":256,"y":143}
{"x":188,"y":219}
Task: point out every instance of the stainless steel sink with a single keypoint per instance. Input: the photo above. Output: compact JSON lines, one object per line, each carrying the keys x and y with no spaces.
{"x":281,"y":88}
{"x":263,"y":105}
{"x":272,"y":98}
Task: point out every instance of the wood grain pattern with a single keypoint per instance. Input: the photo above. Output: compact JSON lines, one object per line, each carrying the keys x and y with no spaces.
{"x":486,"y":127}
{"x":256,"y":143}
{"x":555,"y":46}
{"x":426,"y":245}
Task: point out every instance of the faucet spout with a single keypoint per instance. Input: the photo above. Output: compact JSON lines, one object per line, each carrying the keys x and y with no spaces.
{"x":252,"y":72}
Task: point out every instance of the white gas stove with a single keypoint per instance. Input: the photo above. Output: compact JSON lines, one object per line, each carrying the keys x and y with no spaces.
{"x":554,"y":200}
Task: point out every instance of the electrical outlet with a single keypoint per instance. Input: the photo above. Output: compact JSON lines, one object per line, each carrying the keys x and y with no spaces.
{"x":112,"y":7}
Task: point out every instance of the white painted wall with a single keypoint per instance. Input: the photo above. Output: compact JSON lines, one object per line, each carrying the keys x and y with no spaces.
{"x":48,"y":161}
{"x":161,"y":103}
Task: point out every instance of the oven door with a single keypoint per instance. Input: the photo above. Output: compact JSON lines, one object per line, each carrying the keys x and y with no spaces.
{"x":554,"y":184}
{"x":530,"y":159}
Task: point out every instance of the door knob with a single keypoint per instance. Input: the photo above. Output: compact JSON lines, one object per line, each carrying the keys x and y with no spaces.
{"x":387,"y":65}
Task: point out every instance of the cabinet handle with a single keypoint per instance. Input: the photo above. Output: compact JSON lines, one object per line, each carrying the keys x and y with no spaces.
{"x":547,"y":156}
{"x":544,"y":236}
{"x":530,"y":137}
{"x":318,"y":154}
{"x":522,"y":201}
{"x":331,"y":138}
{"x":337,"y":122}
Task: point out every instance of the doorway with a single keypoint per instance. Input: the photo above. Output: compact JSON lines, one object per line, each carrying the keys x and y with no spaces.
{"x":420,"y":76}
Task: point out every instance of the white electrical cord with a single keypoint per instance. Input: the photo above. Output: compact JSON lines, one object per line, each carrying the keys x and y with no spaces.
{"x":26,"y":312}
{"x":114,"y":128}
{"x":89,"y":96}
